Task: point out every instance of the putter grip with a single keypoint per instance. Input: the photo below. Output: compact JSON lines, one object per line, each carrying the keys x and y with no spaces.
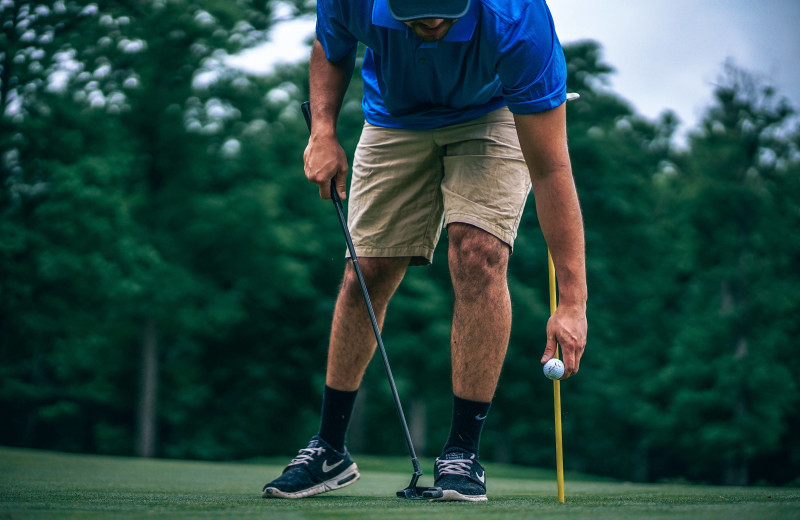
{"x":306,"y":108}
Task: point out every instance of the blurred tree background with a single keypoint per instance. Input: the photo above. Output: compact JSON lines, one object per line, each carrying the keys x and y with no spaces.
{"x":167,"y":274}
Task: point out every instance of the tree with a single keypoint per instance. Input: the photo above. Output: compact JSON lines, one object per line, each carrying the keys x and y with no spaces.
{"x":122,"y":79}
{"x":66,"y":274}
{"x":735,"y":206}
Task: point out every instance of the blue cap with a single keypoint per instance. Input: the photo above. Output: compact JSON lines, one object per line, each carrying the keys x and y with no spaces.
{"x":407,"y":10}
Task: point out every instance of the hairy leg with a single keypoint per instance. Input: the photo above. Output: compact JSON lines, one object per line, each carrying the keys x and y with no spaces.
{"x":482,"y":311}
{"x":352,"y":341}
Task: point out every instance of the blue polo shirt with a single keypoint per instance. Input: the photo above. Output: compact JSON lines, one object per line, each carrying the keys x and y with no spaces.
{"x":502,"y":52}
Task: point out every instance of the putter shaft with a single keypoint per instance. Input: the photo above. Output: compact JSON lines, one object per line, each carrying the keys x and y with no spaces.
{"x":338,"y":203}
{"x":413,"y":491}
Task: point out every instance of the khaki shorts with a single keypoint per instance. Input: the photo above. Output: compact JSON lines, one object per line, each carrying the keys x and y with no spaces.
{"x":408,"y":184}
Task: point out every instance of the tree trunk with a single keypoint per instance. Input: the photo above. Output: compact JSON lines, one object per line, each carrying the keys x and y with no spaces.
{"x":641,"y":458}
{"x":147,"y":416}
{"x":736,"y":469}
{"x":736,"y":472}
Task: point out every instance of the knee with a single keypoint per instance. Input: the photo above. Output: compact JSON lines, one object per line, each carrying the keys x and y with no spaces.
{"x":381,"y":276}
{"x":350,"y":284}
{"x":476,"y":255}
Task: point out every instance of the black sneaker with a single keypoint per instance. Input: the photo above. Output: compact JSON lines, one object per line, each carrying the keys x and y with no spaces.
{"x":316,"y":469}
{"x":461,"y":477}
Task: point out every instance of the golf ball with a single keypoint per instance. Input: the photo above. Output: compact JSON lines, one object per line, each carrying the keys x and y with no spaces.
{"x":553,"y":369}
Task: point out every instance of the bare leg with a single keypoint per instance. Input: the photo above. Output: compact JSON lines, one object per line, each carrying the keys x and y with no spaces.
{"x":352,"y":341}
{"x":482,"y":312}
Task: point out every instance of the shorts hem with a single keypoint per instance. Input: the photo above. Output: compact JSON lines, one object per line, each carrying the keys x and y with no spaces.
{"x":416,"y":253}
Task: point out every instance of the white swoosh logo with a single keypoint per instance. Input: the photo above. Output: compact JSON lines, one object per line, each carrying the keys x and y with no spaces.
{"x":326,"y":468}
{"x":480,"y":417}
{"x":481,"y":477}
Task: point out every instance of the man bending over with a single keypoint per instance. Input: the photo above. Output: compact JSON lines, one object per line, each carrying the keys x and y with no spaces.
{"x":464,"y":102}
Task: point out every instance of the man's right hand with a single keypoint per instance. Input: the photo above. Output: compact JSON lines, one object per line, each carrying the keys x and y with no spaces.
{"x":324,"y":160}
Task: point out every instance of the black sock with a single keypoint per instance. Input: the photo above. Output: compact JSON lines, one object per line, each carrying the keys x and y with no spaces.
{"x":337,"y":407}
{"x":468,"y":419}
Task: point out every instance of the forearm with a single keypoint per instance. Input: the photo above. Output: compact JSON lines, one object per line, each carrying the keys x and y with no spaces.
{"x":544,"y":144}
{"x":560,"y":218}
{"x":324,"y":158}
{"x":328,"y":83}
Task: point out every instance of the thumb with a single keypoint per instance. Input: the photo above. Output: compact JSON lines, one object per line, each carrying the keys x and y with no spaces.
{"x":550,"y":348}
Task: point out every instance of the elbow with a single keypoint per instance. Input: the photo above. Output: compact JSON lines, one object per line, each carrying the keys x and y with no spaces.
{"x":549,"y":171}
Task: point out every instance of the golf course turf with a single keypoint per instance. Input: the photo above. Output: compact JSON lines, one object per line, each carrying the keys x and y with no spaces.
{"x":39,"y":484}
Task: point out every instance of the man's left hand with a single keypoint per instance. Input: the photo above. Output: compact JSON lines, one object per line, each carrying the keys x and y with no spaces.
{"x":567,"y":327}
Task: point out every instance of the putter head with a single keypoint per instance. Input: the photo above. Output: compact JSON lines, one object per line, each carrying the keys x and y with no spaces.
{"x":415,"y":492}
{"x":431,"y":492}
{"x":420,"y":493}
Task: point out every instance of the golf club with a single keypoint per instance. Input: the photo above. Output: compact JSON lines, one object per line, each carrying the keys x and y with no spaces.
{"x":413,"y":491}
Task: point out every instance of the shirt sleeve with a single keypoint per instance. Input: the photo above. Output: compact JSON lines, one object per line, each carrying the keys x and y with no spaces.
{"x":337,"y":41}
{"x":531,"y":64}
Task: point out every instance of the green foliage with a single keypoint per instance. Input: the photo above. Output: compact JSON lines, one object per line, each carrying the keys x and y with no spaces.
{"x":729,"y":371}
{"x":145,"y":182}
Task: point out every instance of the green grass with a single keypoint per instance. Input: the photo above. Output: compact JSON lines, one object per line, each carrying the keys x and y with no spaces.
{"x":36,"y":484}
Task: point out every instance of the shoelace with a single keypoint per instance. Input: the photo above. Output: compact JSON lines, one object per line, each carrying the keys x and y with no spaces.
{"x":305,"y":455}
{"x":455,"y":467}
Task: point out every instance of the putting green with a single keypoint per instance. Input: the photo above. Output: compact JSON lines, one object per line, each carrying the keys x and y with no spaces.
{"x":47,"y":485}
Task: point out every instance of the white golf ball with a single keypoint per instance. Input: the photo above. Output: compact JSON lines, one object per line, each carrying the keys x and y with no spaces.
{"x":553,"y":369}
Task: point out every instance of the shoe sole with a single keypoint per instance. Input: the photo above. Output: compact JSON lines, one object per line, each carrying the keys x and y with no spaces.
{"x":345,"y":478}
{"x":450,"y":495}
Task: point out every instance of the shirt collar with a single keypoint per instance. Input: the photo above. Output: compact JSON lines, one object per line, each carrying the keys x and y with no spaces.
{"x":461,"y":31}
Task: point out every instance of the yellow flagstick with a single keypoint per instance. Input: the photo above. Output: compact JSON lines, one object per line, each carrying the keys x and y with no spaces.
{"x":556,"y":388}
{"x":551,"y":271}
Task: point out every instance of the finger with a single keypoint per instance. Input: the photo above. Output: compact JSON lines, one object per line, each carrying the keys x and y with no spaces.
{"x":577,"y":357}
{"x":569,"y":363}
{"x":549,"y":348}
{"x":571,"y":359}
{"x":324,"y":191}
{"x":341,"y":184}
